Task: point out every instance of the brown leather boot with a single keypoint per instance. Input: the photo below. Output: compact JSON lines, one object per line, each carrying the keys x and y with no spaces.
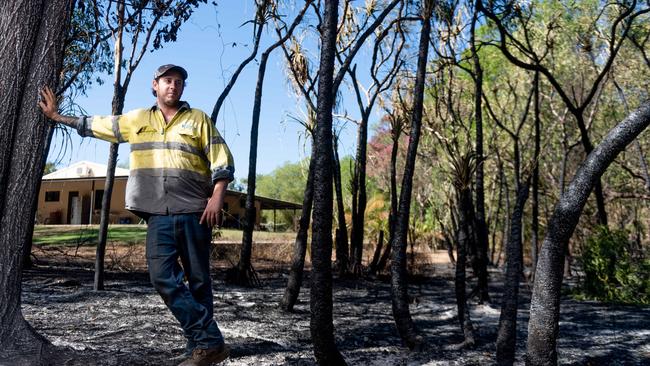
{"x":207,"y":356}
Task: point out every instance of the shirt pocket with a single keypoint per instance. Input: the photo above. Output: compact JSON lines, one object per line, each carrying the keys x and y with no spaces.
{"x":145,"y":134}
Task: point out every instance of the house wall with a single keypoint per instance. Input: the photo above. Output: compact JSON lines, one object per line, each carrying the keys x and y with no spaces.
{"x":60,"y":212}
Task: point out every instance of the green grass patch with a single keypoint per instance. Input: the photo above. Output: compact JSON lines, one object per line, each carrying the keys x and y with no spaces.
{"x":89,"y":234}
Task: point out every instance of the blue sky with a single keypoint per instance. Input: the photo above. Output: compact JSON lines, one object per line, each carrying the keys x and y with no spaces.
{"x":210,"y":55}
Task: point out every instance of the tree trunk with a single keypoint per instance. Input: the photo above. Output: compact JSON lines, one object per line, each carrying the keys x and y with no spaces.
{"x":27,"y":256}
{"x":100,"y":253}
{"x":359,"y":194}
{"x":342,"y":229}
{"x":598,"y":187}
{"x":481,"y":227}
{"x":377,"y":254}
{"x":321,"y":326}
{"x":464,"y":237}
{"x":507,"y":335}
{"x":300,"y":246}
{"x":244,"y":274}
{"x":393,"y":203}
{"x":31,"y":37}
{"x":534,"y":199}
{"x":117,"y":108}
{"x":545,"y":302}
{"x":399,"y":283}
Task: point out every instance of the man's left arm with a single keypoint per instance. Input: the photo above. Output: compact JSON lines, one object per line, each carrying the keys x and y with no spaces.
{"x":212,"y":212}
{"x":222,"y":169}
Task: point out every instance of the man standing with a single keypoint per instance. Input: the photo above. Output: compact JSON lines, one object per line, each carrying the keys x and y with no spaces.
{"x":180,"y":168}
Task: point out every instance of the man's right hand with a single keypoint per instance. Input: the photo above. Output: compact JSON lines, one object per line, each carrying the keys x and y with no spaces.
{"x":48,"y":104}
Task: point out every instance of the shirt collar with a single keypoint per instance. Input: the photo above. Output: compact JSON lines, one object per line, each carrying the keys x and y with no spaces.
{"x":183,"y":105}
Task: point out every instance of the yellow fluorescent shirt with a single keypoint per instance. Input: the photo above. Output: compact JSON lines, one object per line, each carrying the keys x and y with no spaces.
{"x":174,"y":165}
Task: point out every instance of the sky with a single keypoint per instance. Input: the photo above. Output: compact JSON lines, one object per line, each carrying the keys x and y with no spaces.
{"x":210,"y":53}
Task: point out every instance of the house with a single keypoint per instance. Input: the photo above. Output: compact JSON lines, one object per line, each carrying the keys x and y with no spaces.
{"x":73,"y":196}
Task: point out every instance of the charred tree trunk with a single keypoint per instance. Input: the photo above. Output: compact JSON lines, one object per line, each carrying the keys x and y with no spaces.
{"x":507,"y":335}
{"x":100,"y":253}
{"x":321,"y":325}
{"x":534,"y":199}
{"x":27,"y":256}
{"x":464,"y":237}
{"x":393,"y":204}
{"x":117,"y":107}
{"x":342,"y":229}
{"x":481,"y":227}
{"x":496,"y":217}
{"x":399,"y":280}
{"x":359,"y":195}
{"x":300,"y":246}
{"x":545,"y":302}
{"x":244,"y":274}
{"x":377,"y":254}
{"x":31,"y":37}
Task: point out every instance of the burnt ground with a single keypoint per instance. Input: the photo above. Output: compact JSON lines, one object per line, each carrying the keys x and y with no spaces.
{"x":128,"y":324}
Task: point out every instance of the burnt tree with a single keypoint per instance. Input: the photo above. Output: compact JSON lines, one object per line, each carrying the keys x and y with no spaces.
{"x":399,"y":280}
{"x":321,"y":325}
{"x":243,"y":273}
{"x":545,"y":302}
{"x":31,"y":36}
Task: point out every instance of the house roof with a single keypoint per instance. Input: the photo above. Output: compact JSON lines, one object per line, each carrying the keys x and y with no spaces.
{"x":84,"y":169}
{"x":269,"y":203}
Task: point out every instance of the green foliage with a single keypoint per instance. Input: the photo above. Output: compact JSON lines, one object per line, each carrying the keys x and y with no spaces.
{"x":286,"y":182}
{"x":50,"y":167}
{"x":612,"y":271}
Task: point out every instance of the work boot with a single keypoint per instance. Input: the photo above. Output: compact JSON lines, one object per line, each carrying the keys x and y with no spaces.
{"x":207,"y":356}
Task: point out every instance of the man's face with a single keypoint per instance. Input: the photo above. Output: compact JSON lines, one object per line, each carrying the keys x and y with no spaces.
{"x":169,"y":88}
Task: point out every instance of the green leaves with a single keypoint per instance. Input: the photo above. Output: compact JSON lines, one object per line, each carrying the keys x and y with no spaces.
{"x":614,"y":270}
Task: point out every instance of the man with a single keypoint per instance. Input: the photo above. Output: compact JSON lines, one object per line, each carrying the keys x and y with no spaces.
{"x":180,"y":167}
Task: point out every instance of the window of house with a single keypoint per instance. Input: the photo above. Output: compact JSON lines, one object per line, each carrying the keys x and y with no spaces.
{"x":99,"y":196}
{"x":52,"y":196}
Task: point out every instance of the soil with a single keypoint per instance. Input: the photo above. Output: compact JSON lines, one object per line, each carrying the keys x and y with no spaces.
{"x":128,"y":324}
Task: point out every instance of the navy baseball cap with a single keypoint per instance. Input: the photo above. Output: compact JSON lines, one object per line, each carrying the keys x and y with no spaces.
{"x":162,"y":70}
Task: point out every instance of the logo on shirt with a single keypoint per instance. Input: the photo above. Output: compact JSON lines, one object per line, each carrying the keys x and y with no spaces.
{"x":188,"y":127}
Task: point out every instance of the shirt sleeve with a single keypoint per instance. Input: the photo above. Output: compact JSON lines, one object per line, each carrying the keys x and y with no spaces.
{"x":222,"y":165}
{"x":108,"y":128}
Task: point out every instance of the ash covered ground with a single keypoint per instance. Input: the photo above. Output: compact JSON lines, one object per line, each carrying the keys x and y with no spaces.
{"x":128,"y":324}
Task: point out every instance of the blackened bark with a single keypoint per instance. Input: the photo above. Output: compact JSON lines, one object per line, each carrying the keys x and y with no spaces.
{"x":321,"y":326}
{"x":496,"y":215}
{"x":534,"y":199}
{"x":481,"y":226}
{"x":399,"y":280}
{"x":100,"y":252}
{"x":31,"y":37}
{"x":342,"y":229}
{"x":507,"y":335}
{"x":235,"y":75}
{"x":359,"y":194}
{"x":27,"y":256}
{"x":545,"y":302}
{"x":464,"y":238}
{"x":244,"y":274}
{"x":294,"y":283}
{"x":117,"y":107}
{"x":377,"y":254}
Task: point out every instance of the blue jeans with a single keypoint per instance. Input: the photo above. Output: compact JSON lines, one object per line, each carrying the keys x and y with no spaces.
{"x":174,"y":236}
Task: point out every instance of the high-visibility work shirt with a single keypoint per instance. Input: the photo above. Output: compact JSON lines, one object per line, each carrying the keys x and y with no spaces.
{"x":173,"y":166}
